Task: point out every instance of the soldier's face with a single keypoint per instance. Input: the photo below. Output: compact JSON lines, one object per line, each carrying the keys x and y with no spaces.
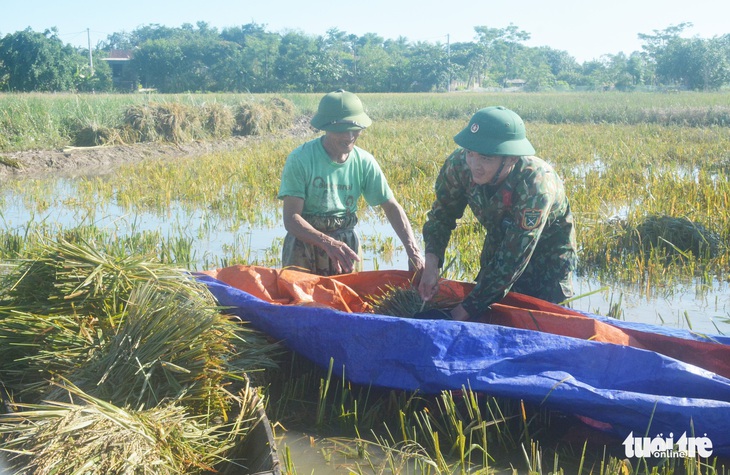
{"x":483,"y":167}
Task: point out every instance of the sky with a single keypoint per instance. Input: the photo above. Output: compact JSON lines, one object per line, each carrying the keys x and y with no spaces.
{"x":586,"y":29}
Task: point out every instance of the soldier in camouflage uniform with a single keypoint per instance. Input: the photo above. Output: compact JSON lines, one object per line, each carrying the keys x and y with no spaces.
{"x":321,"y":184}
{"x":530,"y":243}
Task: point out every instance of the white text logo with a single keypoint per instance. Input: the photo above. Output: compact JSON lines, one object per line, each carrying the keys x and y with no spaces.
{"x":660,"y":446}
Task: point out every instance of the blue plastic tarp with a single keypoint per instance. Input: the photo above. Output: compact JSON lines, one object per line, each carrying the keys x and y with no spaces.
{"x":626,"y":389}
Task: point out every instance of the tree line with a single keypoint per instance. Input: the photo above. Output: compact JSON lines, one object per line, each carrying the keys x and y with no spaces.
{"x":248,"y":58}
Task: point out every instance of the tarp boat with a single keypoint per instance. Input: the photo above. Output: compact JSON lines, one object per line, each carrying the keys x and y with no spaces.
{"x":624,"y":377}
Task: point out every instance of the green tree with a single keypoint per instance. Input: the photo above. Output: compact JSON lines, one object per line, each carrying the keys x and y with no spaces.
{"x":159,"y":64}
{"x":372,"y":64}
{"x":696,"y":63}
{"x":299,"y":65}
{"x":31,"y":61}
{"x":464,"y":64}
{"x":655,"y":43}
{"x":187,"y":59}
{"x":86,"y":80}
{"x":253,"y":67}
{"x":502,"y":51}
{"x":427,"y":64}
{"x":398,"y":68}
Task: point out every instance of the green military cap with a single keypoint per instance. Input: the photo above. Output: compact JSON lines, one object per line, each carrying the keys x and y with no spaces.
{"x":340,"y":111}
{"x":495,"y":131}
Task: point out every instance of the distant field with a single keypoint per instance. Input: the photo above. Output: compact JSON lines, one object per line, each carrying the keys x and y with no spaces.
{"x":45,"y":121}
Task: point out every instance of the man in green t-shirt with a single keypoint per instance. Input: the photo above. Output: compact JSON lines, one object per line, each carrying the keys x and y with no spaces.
{"x":321,"y":184}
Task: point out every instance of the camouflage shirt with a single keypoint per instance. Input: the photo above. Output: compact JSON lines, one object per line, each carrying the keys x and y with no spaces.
{"x":529,"y":245}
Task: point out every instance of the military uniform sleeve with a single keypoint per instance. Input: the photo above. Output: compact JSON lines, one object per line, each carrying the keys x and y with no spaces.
{"x":532,"y":202}
{"x":448,"y":206}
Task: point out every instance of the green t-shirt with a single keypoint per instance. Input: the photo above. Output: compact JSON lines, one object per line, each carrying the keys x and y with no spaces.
{"x":329,"y":188}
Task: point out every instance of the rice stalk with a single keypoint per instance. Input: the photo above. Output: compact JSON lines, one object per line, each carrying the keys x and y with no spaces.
{"x":129,"y":330}
{"x":34,"y":348}
{"x":676,"y":235}
{"x":141,"y":120}
{"x":169,"y":345}
{"x":217,"y":119}
{"x":95,"y":437}
{"x":92,"y":134}
{"x":406,"y":302}
{"x":261,"y":117}
{"x":77,"y":277}
{"x":175,"y":122}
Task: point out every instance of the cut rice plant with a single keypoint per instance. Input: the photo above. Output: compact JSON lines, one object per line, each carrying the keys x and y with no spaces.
{"x":91,"y":135}
{"x":35,"y":347}
{"x":217,"y":119}
{"x":91,"y":436}
{"x":675,"y":235}
{"x":140,"y":121}
{"x":167,"y":346}
{"x":65,"y":277}
{"x":131,"y":331}
{"x":261,"y":117}
{"x":406,"y":302}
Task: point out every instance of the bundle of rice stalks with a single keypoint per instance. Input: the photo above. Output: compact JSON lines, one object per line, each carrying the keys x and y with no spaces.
{"x":92,"y":135}
{"x":673,"y":235}
{"x":33,"y":348}
{"x":130,"y":330}
{"x":406,"y":302}
{"x":169,"y":345}
{"x":142,"y":120}
{"x":94,"y":437}
{"x":71,"y":277}
{"x":175,"y":122}
{"x":258,"y":118}
{"x":217,"y":119}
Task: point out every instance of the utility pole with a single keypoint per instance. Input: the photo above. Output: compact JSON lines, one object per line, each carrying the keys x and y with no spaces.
{"x":91,"y":61}
{"x":448,"y":61}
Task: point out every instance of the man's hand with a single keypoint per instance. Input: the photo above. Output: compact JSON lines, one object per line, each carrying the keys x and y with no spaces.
{"x":343,"y":258}
{"x":415,"y":263}
{"x":428,"y":284}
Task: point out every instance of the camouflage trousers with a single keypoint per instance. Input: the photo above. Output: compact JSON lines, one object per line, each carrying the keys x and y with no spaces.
{"x":313,"y":259}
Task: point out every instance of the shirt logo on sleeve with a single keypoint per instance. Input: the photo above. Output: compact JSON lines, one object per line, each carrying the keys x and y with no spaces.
{"x":531,"y":219}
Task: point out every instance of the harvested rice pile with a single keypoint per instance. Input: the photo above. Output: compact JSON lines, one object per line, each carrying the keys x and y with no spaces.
{"x":116,"y":364}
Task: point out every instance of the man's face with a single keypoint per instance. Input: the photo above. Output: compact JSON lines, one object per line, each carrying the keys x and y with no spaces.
{"x":483,"y":167}
{"x":342,"y":142}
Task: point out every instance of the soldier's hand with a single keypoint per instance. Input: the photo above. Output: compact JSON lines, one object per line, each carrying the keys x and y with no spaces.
{"x":429,"y":279}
